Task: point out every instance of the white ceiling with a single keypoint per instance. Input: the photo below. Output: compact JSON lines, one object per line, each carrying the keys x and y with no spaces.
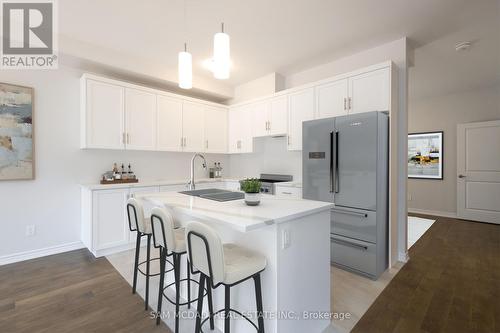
{"x":284,"y":36}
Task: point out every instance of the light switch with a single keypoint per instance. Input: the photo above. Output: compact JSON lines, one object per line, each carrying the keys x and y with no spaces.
{"x":285,"y":238}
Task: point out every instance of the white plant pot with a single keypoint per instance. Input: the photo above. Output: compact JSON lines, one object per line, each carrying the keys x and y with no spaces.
{"x":252,"y":199}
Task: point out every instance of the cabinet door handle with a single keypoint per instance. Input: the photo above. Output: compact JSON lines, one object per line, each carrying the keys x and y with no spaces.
{"x":185,"y":142}
{"x":289,"y":140}
{"x":182,"y":142}
{"x":124,"y":141}
{"x":269,"y":127}
{"x":286,"y":193}
{"x":345,"y":104}
{"x":350,"y":103}
{"x":206,"y":144}
{"x":128,"y":138}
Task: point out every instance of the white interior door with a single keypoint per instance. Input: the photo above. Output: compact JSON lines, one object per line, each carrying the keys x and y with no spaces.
{"x":140,"y":112}
{"x":169,"y":124}
{"x":478,"y":171}
{"x":193,"y":123}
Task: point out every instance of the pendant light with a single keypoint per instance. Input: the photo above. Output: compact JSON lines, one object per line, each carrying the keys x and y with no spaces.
{"x":221,"y":58}
{"x":185,"y":63}
{"x":185,"y":69}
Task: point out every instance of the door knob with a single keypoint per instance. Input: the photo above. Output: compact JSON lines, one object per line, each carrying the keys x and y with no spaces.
{"x":461,"y":176}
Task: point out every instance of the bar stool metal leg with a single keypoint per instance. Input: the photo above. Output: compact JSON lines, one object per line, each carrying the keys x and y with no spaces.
{"x":163,"y":258}
{"x":188,"y":282}
{"x":136,"y":263}
{"x":200,"y":304}
{"x":146,"y":298}
{"x":210,"y":303}
{"x":258,"y":298}
{"x":227,"y":306}
{"x":177,"y":273}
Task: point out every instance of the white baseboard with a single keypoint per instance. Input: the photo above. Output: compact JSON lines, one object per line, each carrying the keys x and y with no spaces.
{"x":432,"y":212}
{"x":47,"y":251}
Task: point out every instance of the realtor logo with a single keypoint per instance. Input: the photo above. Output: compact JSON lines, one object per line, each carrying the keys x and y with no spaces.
{"x":29,"y":34}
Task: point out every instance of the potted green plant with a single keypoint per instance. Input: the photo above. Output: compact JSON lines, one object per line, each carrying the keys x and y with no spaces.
{"x":251,"y":187}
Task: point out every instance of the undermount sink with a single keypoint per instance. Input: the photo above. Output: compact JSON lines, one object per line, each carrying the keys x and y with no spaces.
{"x":215,"y":194}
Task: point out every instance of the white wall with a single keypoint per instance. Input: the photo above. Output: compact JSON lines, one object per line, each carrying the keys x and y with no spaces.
{"x":265,"y":85}
{"x":52,"y":200}
{"x":443,"y":113}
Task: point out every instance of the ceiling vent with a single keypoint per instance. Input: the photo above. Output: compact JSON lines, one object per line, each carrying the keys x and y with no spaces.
{"x":463,"y":46}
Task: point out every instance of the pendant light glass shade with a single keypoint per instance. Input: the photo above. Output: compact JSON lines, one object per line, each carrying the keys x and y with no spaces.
{"x":185,"y":70}
{"x":222,"y":57}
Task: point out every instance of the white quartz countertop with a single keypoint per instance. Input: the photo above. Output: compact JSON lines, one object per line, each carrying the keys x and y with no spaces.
{"x":96,"y":186}
{"x":236,"y":214}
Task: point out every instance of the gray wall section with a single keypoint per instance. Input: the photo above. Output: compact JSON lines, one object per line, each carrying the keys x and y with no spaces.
{"x":443,"y":113}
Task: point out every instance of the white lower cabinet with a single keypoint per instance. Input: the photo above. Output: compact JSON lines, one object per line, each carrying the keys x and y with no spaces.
{"x":109,"y":226}
{"x":105,"y":227}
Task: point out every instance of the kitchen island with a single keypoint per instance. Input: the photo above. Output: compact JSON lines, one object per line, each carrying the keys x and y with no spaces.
{"x":293,"y":234}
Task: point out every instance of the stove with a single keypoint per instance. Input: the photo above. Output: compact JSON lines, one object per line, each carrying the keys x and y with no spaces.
{"x":268,"y":182}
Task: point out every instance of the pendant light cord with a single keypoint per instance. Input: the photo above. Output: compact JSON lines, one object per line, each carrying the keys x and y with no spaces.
{"x":185,"y":26}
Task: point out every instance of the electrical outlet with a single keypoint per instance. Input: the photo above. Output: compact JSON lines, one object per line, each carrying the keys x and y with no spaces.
{"x":30,"y":230}
{"x":285,"y":239}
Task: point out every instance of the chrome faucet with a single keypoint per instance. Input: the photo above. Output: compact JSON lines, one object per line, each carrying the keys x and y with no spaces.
{"x":191,"y":184}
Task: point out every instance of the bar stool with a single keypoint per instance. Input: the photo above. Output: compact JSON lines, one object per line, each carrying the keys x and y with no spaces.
{"x":223,"y":264}
{"x":138,"y":222}
{"x":171,"y":241}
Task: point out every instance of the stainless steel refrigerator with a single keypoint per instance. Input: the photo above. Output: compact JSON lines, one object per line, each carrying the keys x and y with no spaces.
{"x":345,"y":161}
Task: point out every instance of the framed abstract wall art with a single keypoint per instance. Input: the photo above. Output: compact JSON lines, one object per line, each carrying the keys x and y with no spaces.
{"x":16,"y":133}
{"x":425,"y":155}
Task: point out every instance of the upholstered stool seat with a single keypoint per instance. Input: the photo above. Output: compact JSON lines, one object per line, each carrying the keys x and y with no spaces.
{"x":240,"y":263}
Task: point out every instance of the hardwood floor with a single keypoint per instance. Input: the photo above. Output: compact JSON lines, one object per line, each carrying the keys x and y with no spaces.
{"x":70,"y":292}
{"x":450,"y":284}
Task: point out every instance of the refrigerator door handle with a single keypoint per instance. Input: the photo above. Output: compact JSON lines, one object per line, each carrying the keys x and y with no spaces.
{"x":332,"y":174}
{"x":348,"y":212}
{"x":336,"y":163}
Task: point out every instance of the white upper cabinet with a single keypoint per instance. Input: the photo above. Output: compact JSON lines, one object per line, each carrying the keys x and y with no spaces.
{"x":260,"y":118}
{"x":169,"y":124}
{"x":301,"y":108}
{"x":332,"y":99}
{"x":240,"y":130}
{"x":102,"y":116}
{"x":278,"y":115}
{"x":141,"y":119}
{"x":193,"y":122}
{"x":233,"y":130}
{"x":370,"y":91}
{"x":270,"y":116}
{"x":215,"y":130}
